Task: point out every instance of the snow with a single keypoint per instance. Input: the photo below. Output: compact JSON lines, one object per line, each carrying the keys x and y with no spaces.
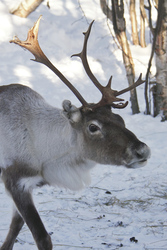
{"x":120,"y":203}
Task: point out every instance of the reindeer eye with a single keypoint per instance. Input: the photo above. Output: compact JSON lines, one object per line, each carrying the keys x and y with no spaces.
{"x":93,"y":128}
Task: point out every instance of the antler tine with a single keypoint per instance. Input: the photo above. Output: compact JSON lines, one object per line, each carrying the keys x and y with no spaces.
{"x":109,"y":96}
{"x":137,"y":83}
{"x":83,"y":57}
{"x":32,"y":45}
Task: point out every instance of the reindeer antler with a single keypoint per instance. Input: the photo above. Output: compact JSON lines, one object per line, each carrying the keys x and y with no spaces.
{"x":32,"y":45}
{"x":109,"y":96}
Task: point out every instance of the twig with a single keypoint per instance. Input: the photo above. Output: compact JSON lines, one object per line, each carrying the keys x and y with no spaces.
{"x":63,"y":245}
{"x":82,"y":11}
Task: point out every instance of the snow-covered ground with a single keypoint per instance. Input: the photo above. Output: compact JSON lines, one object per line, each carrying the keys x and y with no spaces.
{"x":120,"y":203}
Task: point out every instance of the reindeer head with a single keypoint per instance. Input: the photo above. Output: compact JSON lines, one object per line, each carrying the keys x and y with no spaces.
{"x":103,"y":135}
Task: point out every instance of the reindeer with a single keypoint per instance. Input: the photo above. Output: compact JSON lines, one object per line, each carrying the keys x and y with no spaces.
{"x":43,"y":145}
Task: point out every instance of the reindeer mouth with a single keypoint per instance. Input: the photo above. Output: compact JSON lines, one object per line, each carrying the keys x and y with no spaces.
{"x":138,"y":158}
{"x":137,"y":164}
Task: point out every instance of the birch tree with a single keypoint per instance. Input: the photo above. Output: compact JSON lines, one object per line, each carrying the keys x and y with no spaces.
{"x":26,"y":7}
{"x":133,"y":19}
{"x":116,"y":15}
{"x":161,"y":61}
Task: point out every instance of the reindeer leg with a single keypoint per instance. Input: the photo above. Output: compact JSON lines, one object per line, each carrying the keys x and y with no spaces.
{"x":28,"y":211}
{"x":15,"y":227}
{"x":24,"y":203}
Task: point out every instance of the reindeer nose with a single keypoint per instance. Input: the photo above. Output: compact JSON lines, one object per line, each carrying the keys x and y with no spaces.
{"x":139,"y":155}
{"x":143,"y":152}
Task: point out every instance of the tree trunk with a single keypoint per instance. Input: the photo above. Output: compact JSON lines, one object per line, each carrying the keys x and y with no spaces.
{"x":119,"y":28}
{"x":161,"y":62}
{"x":106,"y":10}
{"x":142,"y":24}
{"x":133,"y":19}
{"x":26,"y":7}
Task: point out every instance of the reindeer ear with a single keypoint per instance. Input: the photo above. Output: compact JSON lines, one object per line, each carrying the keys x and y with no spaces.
{"x":71,"y":112}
